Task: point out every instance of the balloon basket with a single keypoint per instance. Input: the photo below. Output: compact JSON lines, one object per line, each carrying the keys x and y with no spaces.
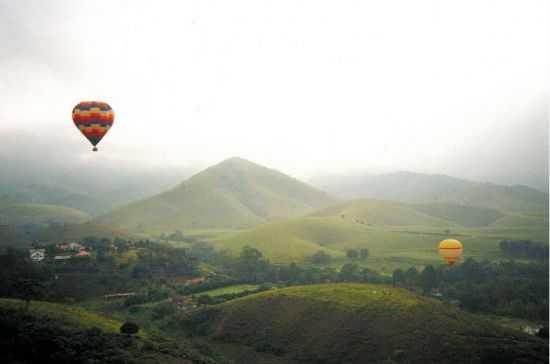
{"x":94,"y":149}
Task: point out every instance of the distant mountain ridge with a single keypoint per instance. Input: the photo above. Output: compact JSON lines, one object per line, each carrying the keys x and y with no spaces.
{"x":39,"y":214}
{"x":235,"y":193}
{"x":435,"y":188}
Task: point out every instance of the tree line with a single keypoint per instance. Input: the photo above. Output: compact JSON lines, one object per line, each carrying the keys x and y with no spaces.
{"x":504,"y":288}
{"x":524,"y":249}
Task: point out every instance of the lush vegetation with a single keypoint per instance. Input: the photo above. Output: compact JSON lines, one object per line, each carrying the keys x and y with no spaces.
{"x":367,"y":323}
{"x":390,"y":247}
{"x":59,"y":334}
{"x":524,"y":249}
{"x":114,"y":266}
{"x":179,"y":284}
{"x":506,"y":288}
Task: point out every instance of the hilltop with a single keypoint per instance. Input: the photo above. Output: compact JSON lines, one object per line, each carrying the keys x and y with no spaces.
{"x":357,"y":323}
{"x":53,"y":333}
{"x":434,"y":188}
{"x":233,"y":194}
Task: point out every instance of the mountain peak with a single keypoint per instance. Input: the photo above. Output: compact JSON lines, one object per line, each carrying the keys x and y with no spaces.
{"x":234,"y":193}
{"x":236,"y":161}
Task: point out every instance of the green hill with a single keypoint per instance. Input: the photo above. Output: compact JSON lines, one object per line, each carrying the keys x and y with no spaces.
{"x":396,"y":234}
{"x":383,"y":213}
{"x":64,"y":314}
{"x":56,"y":333}
{"x":39,"y":214}
{"x":298,"y":239}
{"x":233,"y":194}
{"x":431,"y":188}
{"x":289,"y":240}
{"x":467,"y":216}
{"x":357,"y":323}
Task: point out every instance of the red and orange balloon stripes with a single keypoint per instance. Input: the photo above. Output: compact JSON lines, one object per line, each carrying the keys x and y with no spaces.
{"x":93,"y":119}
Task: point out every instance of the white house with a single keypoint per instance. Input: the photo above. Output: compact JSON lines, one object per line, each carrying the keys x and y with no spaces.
{"x":37,"y":255}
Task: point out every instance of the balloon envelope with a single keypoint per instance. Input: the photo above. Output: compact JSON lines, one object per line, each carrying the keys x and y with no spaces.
{"x":93,"y":119}
{"x":450,"y":250}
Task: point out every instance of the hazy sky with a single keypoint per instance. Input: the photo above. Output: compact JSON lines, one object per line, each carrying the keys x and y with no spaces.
{"x":458,"y":87}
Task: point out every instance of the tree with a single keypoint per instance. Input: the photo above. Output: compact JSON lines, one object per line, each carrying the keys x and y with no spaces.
{"x":398,"y":277}
{"x":365,"y":274}
{"x":27,"y":289}
{"x":349,"y":272}
{"x":543,"y":332}
{"x":352,"y":254}
{"x":129,"y":328}
{"x":162,"y":310}
{"x":204,"y":299}
{"x":321,"y":258}
{"x":411,"y":276}
{"x":428,"y":279}
{"x":251,"y":264}
{"x":364,"y":253}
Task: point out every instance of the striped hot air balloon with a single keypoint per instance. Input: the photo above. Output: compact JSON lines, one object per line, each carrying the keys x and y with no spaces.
{"x":450,"y":250}
{"x":93,"y":119}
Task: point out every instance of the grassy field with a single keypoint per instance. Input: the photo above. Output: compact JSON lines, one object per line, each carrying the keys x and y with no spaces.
{"x":231,"y":289}
{"x":358,"y":323}
{"x":397,"y":235}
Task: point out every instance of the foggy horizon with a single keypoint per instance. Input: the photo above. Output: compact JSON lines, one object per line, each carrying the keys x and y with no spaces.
{"x":309,"y":89}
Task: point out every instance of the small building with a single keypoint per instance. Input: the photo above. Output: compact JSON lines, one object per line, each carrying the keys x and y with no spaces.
{"x":531,"y":330}
{"x":37,"y":255}
{"x":194,"y":281}
{"x":436,"y":293}
{"x":82,"y":254}
{"x":71,"y":246}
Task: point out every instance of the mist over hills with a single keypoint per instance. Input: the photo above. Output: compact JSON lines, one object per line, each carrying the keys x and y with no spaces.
{"x":94,"y":186}
{"x":39,"y":214}
{"x":413,"y":187}
{"x":235,"y":193}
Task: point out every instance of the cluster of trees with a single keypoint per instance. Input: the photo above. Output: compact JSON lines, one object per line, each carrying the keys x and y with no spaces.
{"x":152,"y":292}
{"x":78,"y":279}
{"x":19,"y":278}
{"x":177,"y":236}
{"x":524,"y":249}
{"x":322,"y":258}
{"x":252,"y":267}
{"x":505,"y":288}
{"x":158,"y":261}
{"x":362,"y":253}
{"x":28,"y":339}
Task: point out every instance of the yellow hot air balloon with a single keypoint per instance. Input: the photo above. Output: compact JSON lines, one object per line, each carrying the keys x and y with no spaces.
{"x":450,"y":250}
